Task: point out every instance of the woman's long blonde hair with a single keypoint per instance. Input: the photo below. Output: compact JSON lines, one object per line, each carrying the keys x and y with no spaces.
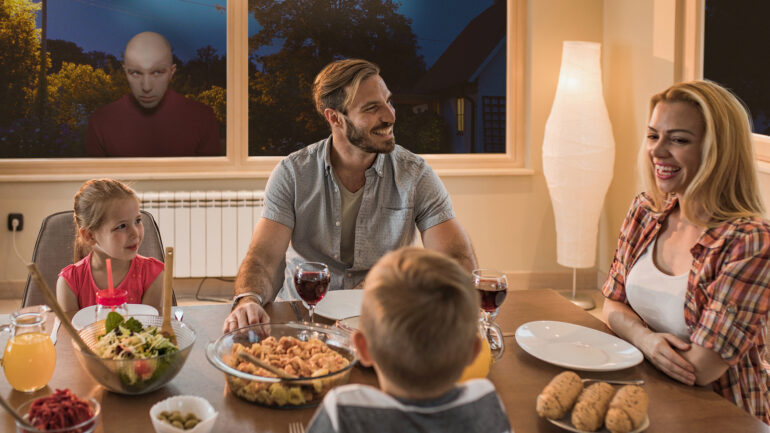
{"x":91,"y":204}
{"x":725,"y":186}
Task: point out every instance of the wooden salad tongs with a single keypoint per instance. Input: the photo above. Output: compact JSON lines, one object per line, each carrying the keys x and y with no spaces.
{"x":50,"y":297}
{"x":168,"y":277}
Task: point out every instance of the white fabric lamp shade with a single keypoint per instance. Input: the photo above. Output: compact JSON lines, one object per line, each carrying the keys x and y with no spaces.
{"x":578,"y":154}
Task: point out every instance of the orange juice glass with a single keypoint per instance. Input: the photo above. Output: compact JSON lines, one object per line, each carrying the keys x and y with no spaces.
{"x":29,"y":357}
{"x":479,"y":368}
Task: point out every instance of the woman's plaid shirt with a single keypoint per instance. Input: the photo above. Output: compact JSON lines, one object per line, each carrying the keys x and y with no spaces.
{"x":727,"y":299}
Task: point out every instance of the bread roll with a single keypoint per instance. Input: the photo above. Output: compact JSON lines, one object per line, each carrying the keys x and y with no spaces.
{"x":559,"y":395}
{"x":627,"y":409}
{"x":588,"y":413}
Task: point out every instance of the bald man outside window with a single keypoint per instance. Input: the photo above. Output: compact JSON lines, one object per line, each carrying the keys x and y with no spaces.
{"x":153,"y":120}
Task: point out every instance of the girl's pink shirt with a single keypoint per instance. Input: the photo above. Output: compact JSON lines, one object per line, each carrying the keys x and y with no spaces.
{"x":142,"y":272}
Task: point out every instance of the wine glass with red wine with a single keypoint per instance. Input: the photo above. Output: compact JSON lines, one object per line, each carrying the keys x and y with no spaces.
{"x":311,"y":279}
{"x":492,"y":286}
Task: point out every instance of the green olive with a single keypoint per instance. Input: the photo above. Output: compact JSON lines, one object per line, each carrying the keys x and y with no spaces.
{"x":175,"y":418}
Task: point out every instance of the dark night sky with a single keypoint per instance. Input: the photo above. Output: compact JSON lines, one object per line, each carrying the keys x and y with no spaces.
{"x":106,"y":25}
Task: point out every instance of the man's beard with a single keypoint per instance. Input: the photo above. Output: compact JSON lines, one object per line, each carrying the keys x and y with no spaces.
{"x":362,"y":140}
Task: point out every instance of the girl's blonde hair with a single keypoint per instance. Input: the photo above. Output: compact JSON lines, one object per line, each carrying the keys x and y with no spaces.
{"x":91,"y":203}
{"x":725,"y":186}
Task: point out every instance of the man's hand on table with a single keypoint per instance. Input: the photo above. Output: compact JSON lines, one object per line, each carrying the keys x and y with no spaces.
{"x":247,"y":312}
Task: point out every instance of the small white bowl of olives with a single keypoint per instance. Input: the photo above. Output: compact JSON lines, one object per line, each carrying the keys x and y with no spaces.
{"x":183,"y":413}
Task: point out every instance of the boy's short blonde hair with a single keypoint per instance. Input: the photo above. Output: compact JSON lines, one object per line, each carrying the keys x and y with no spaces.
{"x":420,"y":318}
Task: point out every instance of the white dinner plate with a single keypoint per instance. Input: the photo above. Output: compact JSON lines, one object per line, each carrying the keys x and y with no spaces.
{"x":576,"y":347}
{"x":566,"y":424}
{"x":86,"y":317}
{"x":340,"y":304}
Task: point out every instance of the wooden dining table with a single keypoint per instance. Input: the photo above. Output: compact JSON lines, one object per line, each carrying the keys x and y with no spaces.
{"x":518,"y":377}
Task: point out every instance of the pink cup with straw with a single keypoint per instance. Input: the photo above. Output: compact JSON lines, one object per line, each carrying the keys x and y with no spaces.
{"x":110,"y":299}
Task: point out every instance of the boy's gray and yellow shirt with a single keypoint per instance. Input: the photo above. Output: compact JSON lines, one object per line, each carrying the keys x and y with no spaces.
{"x":471,"y":407}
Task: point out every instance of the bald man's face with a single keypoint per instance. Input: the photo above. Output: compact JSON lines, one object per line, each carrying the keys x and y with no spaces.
{"x":149,"y":71}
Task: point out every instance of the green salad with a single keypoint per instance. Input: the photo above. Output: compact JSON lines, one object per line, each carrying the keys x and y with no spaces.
{"x":128,"y":339}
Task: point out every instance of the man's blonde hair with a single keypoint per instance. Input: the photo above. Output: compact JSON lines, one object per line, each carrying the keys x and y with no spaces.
{"x":421,"y":318}
{"x":337,"y":83}
{"x":725,"y":186}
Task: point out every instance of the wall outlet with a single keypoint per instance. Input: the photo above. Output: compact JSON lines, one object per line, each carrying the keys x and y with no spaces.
{"x":18,"y":217}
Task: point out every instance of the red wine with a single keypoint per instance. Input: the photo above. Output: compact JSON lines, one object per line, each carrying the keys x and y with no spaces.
{"x":492,"y":299}
{"x":312,"y":286}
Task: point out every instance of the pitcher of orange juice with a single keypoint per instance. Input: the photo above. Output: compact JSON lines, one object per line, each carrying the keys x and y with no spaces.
{"x":29,"y":357}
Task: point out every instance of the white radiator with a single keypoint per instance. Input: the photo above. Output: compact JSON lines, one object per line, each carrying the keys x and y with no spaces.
{"x":209,"y":230}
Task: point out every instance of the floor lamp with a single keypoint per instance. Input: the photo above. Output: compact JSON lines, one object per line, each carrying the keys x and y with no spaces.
{"x":578,"y":157}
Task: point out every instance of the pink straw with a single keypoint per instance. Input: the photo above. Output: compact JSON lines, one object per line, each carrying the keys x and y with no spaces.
{"x":109,"y":274}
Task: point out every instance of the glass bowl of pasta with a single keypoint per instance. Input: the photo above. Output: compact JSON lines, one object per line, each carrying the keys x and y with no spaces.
{"x":133,"y":356}
{"x":317,"y":357}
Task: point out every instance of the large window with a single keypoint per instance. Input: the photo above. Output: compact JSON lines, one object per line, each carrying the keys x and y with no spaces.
{"x":430,"y":52}
{"x":83,"y":105}
{"x":241,"y":160}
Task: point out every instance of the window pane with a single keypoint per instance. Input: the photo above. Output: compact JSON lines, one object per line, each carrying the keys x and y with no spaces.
{"x":431,"y":53}
{"x":48,"y":116}
{"x":735,"y":49}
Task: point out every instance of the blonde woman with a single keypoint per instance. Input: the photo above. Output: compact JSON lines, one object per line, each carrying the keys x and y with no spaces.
{"x":690,"y":281}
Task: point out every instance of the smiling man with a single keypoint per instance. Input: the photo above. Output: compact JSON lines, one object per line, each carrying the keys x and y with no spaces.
{"x":153,"y":120}
{"x":345,"y":200}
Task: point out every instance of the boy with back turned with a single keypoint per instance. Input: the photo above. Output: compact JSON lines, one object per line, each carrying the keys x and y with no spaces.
{"x":418,"y":329}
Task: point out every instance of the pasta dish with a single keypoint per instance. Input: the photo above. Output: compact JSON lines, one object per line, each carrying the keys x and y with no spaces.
{"x":306,"y":359}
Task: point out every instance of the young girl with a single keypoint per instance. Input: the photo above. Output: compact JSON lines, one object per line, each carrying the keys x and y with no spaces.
{"x":109,"y":226}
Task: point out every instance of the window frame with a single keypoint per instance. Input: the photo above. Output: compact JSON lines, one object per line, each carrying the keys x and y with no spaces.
{"x":689,"y":46}
{"x":237,"y":164}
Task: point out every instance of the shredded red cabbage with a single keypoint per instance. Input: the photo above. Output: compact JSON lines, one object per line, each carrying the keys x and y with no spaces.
{"x":60,"y":410}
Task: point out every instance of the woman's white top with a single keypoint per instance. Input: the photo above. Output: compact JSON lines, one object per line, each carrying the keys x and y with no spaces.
{"x":657,"y":298}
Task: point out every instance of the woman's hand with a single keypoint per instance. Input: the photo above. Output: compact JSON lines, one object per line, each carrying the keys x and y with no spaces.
{"x":661,"y":350}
